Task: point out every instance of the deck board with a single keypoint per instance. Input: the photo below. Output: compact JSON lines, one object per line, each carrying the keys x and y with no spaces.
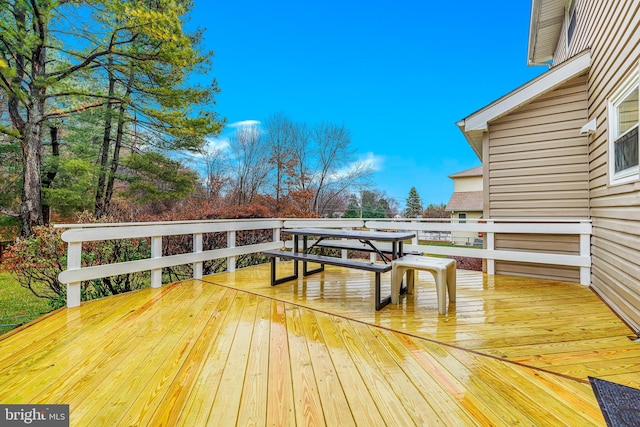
{"x":232,"y":350}
{"x":280,"y":410}
{"x":335,"y":406}
{"x":253,"y":408}
{"x":308,"y":403}
{"x":198,"y":409}
{"x":363,"y":405}
{"x":507,"y":313}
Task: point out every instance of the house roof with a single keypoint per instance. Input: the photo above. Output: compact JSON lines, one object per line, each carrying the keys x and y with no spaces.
{"x":474,"y":126}
{"x":469,"y":172}
{"x":465,"y":201}
{"x":547,"y":19}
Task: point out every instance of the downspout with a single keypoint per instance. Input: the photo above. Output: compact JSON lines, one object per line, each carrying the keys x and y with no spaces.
{"x":533,"y":33}
{"x":530,"y":63}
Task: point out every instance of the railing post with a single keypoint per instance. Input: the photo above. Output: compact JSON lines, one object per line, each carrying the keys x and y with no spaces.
{"x":276,"y":238}
{"x":197,"y":248}
{"x":585,"y":251}
{"x":231,"y":243}
{"x":373,"y":256}
{"x":156,"y":252}
{"x":491,"y":246}
{"x":344,"y":254}
{"x":74,"y":261}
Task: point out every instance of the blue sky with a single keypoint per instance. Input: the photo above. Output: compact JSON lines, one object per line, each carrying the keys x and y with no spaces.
{"x":398,"y":75}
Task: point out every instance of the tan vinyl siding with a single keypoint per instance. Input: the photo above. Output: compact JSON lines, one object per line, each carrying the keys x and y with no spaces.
{"x":613,"y":35}
{"x":580,"y":39}
{"x":539,"y":271}
{"x":538,"y":163}
{"x":473,"y":183}
{"x":539,"y":243}
{"x":555,"y":243}
{"x":538,"y":167}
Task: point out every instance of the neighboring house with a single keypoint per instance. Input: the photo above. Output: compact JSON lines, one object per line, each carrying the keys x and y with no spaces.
{"x":466,"y":203}
{"x":566,"y":143}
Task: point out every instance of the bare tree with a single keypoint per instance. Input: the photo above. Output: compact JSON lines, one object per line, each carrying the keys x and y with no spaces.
{"x":252,"y":165}
{"x":217,"y":170}
{"x":335,"y":170}
{"x":279,"y":135}
{"x":300,"y":174}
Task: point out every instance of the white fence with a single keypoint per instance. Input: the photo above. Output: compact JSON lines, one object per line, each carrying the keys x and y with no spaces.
{"x":76,"y":234}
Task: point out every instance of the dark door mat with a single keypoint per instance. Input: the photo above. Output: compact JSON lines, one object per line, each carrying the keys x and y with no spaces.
{"x":620,"y":405}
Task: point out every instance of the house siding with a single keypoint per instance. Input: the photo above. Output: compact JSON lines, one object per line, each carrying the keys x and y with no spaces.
{"x":614,"y":38}
{"x":559,"y":244}
{"x":538,"y":160}
{"x":473,"y":183}
{"x":470,"y":183}
{"x":585,"y":10}
{"x":537,"y":167}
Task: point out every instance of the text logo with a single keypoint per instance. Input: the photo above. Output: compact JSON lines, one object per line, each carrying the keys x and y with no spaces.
{"x":34,"y":415}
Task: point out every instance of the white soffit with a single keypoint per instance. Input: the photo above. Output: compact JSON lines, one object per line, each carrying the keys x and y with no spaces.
{"x":547,"y":20}
{"x":476,"y":124}
{"x":546,"y":82}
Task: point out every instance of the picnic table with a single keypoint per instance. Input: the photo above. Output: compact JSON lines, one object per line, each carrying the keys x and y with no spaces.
{"x":358,"y":240}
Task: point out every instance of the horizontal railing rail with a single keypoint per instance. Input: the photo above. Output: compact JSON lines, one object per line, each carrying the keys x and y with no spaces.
{"x":490,"y":228}
{"x":77,"y":234}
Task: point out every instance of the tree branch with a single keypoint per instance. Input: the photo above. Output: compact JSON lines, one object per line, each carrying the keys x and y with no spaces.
{"x":58,"y":113}
{"x":88,"y":95}
{"x":60,"y":75}
{"x":6,"y":130}
{"x":9,"y":212}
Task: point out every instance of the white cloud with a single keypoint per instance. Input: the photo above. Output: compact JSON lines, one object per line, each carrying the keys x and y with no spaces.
{"x":217,"y":144}
{"x":244,"y":123}
{"x":368,"y":161}
{"x":372,"y":162}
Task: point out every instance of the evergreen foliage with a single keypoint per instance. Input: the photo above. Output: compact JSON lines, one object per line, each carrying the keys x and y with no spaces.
{"x":127,"y":62}
{"x":414,"y":204}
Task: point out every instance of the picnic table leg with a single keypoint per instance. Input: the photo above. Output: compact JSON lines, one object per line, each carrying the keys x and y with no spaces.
{"x":386,"y":301}
{"x":275,"y":281}
{"x":305,"y":270}
{"x":273,"y":271}
{"x":398,"y":252}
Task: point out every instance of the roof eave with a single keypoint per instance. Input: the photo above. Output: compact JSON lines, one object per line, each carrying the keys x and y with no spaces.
{"x":474,"y":138}
{"x":474,"y":126}
{"x":545,"y":25}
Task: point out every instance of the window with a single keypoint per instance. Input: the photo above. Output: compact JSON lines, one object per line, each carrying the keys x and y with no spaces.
{"x":623,"y":132}
{"x":462,"y":218}
{"x":572,"y":18}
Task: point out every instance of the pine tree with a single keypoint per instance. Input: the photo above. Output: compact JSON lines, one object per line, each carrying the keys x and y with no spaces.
{"x":414,"y":205}
{"x":353,"y":211}
{"x":50,"y":50}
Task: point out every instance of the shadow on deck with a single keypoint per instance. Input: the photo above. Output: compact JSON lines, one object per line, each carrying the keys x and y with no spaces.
{"x":232,"y":350}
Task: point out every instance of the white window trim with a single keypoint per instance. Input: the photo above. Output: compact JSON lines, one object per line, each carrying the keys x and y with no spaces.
{"x":572,"y":8}
{"x":632,"y":82}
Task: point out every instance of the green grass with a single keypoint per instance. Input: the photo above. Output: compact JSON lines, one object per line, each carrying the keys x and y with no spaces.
{"x":440,"y":243}
{"x":17,"y":304}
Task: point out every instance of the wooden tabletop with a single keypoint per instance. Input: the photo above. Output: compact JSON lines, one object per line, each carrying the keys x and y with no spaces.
{"x":383,"y":236}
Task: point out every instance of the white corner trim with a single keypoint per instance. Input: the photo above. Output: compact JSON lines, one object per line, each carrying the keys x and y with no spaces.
{"x":525,"y":93}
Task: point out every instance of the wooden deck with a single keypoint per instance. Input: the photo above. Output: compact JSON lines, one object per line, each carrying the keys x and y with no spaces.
{"x":232,"y":350}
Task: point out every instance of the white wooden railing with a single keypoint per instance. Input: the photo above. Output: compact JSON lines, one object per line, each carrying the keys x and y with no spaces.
{"x":76,"y":234}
